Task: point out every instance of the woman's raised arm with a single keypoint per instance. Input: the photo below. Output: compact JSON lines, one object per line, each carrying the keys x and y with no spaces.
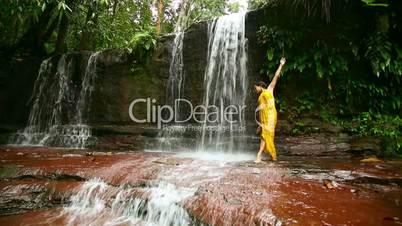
{"x":272,"y":85}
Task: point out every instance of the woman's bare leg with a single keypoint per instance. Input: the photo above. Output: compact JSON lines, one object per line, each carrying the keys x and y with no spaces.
{"x":262,"y":148}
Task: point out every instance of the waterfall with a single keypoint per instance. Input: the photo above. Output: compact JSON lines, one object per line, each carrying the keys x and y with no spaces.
{"x":60,"y":105}
{"x":225,"y":81}
{"x":170,"y":139}
{"x":97,"y":203}
{"x":167,"y":140}
{"x":225,"y":84}
{"x":87,"y":88}
{"x":176,"y":76}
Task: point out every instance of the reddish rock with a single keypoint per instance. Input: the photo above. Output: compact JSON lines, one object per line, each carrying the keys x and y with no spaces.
{"x":290,"y":191}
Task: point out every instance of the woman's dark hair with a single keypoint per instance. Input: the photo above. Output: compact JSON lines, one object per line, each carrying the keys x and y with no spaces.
{"x":262,"y":84}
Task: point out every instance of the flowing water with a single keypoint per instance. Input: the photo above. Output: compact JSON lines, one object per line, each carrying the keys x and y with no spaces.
{"x":225,"y":81}
{"x":160,"y":202}
{"x":169,"y":139}
{"x":176,"y":76}
{"x":60,"y":106}
{"x":225,"y":84}
{"x":97,"y":203}
{"x":176,"y":73}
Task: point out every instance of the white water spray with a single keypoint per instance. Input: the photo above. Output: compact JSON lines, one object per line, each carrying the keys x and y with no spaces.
{"x":58,"y":116}
{"x":158,"y":204}
{"x":225,"y":79}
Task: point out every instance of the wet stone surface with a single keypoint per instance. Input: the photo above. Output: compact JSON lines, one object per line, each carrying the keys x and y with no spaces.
{"x":75,"y":187}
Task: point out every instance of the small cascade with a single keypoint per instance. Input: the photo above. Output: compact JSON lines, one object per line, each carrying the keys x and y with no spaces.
{"x":97,"y":203}
{"x":87,"y":87}
{"x":60,"y":105}
{"x":225,"y":81}
{"x":170,"y":137}
{"x":167,"y":140}
{"x":176,"y":76}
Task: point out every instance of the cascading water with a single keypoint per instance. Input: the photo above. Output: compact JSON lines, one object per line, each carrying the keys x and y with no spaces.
{"x":87,"y":88}
{"x":60,"y":106}
{"x":176,"y":74}
{"x":225,"y":81}
{"x":225,"y":85}
{"x":169,"y":138}
{"x":158,"y":204}
{"x":176,"y":77}
{"x":164,"y":200}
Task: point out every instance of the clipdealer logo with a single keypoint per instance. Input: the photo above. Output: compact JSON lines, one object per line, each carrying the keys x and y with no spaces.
{"x":164,"y":114}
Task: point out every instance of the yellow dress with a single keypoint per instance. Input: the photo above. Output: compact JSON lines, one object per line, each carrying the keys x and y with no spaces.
{"x":268,"y":118}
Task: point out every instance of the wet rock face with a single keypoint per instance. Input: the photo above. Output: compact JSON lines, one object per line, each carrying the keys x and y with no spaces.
{"x":195,"y":52}
{"x":17,"y":77}
{"x":327,"y":144}
{"x":27,"y":195}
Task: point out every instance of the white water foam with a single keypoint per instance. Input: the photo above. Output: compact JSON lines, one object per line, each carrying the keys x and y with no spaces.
{"x":225,"y":80}
{"x":217,"y":156}
{"x":58,"y":116}
{"x":97,"y":203}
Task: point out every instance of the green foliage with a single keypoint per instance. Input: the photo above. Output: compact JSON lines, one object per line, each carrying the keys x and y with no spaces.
{"x":326,"y":116}
{"x":351,"y":75}
{"x":142,"y":44}
{"x":373,"y":3}
{"x":379,"y":125}
{"x":387,"y":127}
{"x":302,"y":104}
{"x":385,"y":56}
{"x":305,"y":103}
{"x":130,"y":17}
{"x":108,"y":24}
{"x":329,"y":60}
{"x":299,"y":128}
{"x":208,"y":9}
{"x":117,"y":23}
{"x":319,"y":58}
{"x":17,"y":16}
{"x":96,"y":24}
{"x":256,"y":4}
{"x":281,"y":105}
{"x":375,"y":124}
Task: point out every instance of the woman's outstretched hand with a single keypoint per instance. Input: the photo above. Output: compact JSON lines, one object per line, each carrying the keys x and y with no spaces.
{"x":283,"y":61}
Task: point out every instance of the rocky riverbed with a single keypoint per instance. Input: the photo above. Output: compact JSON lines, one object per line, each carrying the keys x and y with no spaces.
{"x":45,"y":186}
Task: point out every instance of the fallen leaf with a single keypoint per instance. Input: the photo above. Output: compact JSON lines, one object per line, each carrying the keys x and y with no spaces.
{"x":371,"y":159}
{"x":328,"y":184}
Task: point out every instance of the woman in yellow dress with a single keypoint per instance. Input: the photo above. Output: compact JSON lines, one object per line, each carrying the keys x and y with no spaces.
{"x":267,"y":115}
